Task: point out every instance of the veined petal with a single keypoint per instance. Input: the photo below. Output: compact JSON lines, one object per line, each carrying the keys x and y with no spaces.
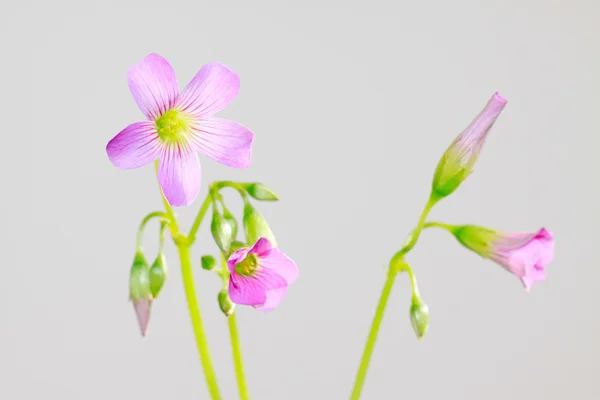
{"x":153,"y":84}
{"x":281,"y":264}
{"x":224,"y":141}
{"x":252,"y":290}
{"x":211,"y":90}
{"x":273,"y":299}
{"x":135,"y":146}
{"x":179,"y":174}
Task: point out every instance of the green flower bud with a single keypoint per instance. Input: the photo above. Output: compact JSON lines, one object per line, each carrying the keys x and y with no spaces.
{"x":419,"y":316}
{"x":236,"y":245}
{"x":225,"y":303}
{"x":221,"y":231}
{"x":260,"y":192}
{"x":256,"y":226}
{"x":231,"y":221}
{"x":158,"y":274}
{"x":208,"y":262}
{"x":139,"y":290}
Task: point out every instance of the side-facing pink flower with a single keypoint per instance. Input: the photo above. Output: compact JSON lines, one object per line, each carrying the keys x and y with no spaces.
{"x":180,"y":125}
{"x":457,"y":162}
{"x":523,"y":254}
{"x":260,"y":275}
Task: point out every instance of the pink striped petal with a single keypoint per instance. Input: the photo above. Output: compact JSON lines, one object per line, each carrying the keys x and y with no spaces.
{"x":135,"y":146}
{"x":224,"y":141}
{"x":179,"y":174}
{"x":252,"y":290}
{"x":211,"y":90}
{"x":153,"y":84}
{"x":279,"y":263}
{"x":274,"y":297}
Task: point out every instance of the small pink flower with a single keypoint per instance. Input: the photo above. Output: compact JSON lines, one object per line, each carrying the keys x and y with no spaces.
{"x":180,"y":125}
{"x":523,"y":254}
{"x":260,"y":275}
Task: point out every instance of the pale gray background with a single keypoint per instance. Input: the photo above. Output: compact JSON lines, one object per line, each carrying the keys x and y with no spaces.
{"x":352,"y":104}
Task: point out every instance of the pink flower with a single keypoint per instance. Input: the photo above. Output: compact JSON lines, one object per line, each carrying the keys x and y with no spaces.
{"x":260,"y":275}
{"x":523,"y":254}
{"x":457,"y":162}
{"x":180,"y":125}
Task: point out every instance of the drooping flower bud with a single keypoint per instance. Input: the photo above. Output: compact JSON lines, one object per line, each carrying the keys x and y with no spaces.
{"x":139,"y":290}
{"x":260,"y":192}
{"x":221,"y":231}
{"x":419,"y":316}
{"x":256,"y":226}
{"x":458,"y":160}
{"x":208,"y":262}
{"x":158,"y":274}
{"x":225,"y":303}
{"x":231,"y":221}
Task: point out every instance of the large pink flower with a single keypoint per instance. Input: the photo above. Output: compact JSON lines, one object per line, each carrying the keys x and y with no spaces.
{"x":260,"y":275}
{"x":180,"y":125}
{"x":523,"y":254}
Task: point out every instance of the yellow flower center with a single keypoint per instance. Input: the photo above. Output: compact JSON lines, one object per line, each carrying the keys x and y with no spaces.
{"x":172,"y":126}
{"x":247,"y":266}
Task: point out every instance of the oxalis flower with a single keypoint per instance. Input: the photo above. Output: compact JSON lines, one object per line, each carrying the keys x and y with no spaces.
{"x":523,"y":254}
{"x":260,"y":275}
{"x":180,"y":125}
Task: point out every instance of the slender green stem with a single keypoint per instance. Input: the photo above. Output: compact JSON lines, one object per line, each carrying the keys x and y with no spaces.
{"x":414,"y":235}
{"x":364,"y":362}
{"x":201,"y":342}
{"x":442,"y":225}
{"x":237,"y":357}
{"x":147,"y":218}
{"x":198,"y":220}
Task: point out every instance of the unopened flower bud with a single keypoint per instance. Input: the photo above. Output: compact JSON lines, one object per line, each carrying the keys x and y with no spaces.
{"x":231,"y":221}
{"x":208,"y":262}
{"x":139,"y":290}
{"x":221,"y":231}
{"x":225,"y":303}
{"x":158,"y":274}
{"x":419,"y":316}
{"x":260,"y":192}
{"x":256,"y":226}
{"x":236,"y":245}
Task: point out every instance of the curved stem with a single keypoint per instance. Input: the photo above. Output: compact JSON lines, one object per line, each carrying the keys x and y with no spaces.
{"x":414,"y":235}
{"x":199,"y":217}
{"x":448,"y":227}
{"x":366,"y":358}
{"x":237,"y":357}
{"x":147,"y":218}
{"x":201,"y":342}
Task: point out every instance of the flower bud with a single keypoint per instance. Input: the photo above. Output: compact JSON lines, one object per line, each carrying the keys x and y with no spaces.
{"x":139,"y":290}
{"x":236,"y":245}
{"x":256,"y":226}
{"x":457,"y":162}
{"x":260,"y":192}
{"x":221,"y":231}
{"x":419,"y":316}
{"x":231,"y":221}
{"x":208,"y":262}
{"x":225,"y":303}
{"x":158,"y":274}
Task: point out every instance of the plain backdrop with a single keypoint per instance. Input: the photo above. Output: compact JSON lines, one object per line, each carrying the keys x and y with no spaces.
{"x":352,"y":103}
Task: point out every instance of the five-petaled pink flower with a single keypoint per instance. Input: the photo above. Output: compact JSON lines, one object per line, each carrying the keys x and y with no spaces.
{"x":179,"y":125}
{"x":260,"y":275}
{"x":523,"y":254}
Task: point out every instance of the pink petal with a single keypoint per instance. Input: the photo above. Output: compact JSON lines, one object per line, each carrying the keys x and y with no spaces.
{"x":522,"y":260}
{"x":252,"y":290}
{"x":142,"y":311}
{"x":179,"y":174}
{"x":546,"y":240}
{"x":211,"y":90}
{"x":281,"y":264}
{"x":274,"y":297}
{"x":224,"y":141}
{"x":236,"y":257}
{"x":153,"y":84}
{"x":261,"y":247}
{"x":135,"y":146}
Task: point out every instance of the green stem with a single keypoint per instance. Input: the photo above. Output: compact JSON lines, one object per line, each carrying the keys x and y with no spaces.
{"x":364,"y":362}
{"x":237,"y":357}
{"x":201,"y":342}
{"x":147,"y":218}
{"x":448,"y":227}
{"x":199,"y":217}
{"x":414,"y":235}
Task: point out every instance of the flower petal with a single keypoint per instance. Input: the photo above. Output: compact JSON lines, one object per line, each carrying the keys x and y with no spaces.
{"x":261,"y":247}
{"x":135,"y":146}
{"x":546,"y":239}
{"x":274,"y":297}
{"x":211,"y":90}
{"x":224,"y":141}
{"x":179,"y":174}
{"x":252,"y":290}
{"x":153,"y":84}
{"x":281,"y":264}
